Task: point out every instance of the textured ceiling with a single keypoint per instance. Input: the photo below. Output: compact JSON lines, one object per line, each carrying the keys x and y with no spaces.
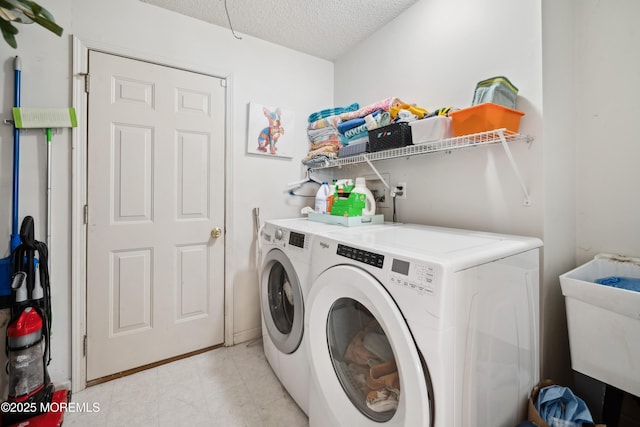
{"x":322,"y":28}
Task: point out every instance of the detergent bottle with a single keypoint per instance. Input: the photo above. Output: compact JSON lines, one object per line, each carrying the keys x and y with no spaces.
{"x":370,"y":202}
{"x":332,"y":195}
{"x":322,"y":198}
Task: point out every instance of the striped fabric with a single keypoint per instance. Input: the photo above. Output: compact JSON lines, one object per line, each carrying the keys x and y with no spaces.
{"x":354,"y":123}
{"x":327,"y":122}
{"x":383,"y":105}
{"x":314,"y":117}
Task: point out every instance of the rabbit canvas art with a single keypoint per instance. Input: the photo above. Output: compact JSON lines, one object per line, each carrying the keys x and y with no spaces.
{"x":270,"y":131}
{"x":269,"y":136}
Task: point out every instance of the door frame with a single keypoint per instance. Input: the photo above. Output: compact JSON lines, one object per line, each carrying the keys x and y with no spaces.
{"x":79,"y":178}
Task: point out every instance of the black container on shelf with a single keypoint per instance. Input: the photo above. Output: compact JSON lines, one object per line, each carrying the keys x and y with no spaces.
{"x":391,"y":136}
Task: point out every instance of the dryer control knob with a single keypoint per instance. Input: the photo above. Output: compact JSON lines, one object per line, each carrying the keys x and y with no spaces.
{"x":279,"y":234}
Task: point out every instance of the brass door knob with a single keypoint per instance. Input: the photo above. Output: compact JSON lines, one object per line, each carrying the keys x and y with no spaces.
{"x":216,"y":232}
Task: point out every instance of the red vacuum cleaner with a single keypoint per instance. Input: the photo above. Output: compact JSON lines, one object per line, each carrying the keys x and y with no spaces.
{"x":32,"y":399}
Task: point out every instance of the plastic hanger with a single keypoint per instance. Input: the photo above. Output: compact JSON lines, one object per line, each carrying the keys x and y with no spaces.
{"x":293,"y":186}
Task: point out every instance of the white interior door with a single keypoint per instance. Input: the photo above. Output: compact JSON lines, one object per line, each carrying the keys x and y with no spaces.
{"x":155,"y":273}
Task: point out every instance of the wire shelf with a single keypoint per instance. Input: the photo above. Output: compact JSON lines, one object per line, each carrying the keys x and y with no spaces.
{"x":449,"y":144}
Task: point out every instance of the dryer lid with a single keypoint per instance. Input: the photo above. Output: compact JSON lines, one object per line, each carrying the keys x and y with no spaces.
{"x":464,"y":248}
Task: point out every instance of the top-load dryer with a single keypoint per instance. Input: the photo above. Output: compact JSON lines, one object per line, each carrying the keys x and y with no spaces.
{"x":422,"y":326}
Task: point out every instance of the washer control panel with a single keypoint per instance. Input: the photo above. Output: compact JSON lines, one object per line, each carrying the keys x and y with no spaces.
{"x":416,"y":276}
{"x":296,"y":239}
{"x":412,"y":275}
{"x":361,"y":255}
{"x":283,"y":237}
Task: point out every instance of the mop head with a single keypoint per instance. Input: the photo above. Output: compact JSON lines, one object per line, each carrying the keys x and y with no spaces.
{"x":24,"y":118}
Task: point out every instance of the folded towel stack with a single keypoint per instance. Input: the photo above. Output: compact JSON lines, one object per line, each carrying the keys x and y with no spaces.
{"x":330,"y":129}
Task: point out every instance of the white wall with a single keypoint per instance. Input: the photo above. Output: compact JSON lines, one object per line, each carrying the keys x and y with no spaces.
{"x":607,"y":108}
{"x":45,"y":83}
{"x":433,"y":55}
{"x":559,"y":176}
{"x":261,"y":72}
{"x":576,"y":66}
{"x":591,"y":69}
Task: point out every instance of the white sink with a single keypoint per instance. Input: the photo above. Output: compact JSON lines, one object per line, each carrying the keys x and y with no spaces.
{"x":604,"y":322}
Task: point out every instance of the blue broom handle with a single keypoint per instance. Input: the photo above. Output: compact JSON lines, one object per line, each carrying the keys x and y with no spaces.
{"x":15,"y":237}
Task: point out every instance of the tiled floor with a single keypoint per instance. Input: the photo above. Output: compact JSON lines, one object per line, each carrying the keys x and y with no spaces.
{"x":228,"y":387}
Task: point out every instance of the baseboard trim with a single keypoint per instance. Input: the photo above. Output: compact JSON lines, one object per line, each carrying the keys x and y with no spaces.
{"x":248,"y":335}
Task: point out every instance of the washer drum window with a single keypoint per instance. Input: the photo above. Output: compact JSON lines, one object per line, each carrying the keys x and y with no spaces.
{"x":281,"y":299}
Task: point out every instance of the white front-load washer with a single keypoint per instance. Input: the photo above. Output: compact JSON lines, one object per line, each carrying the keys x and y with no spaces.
{"x":284,"y":286}
{"x":422,"y":326}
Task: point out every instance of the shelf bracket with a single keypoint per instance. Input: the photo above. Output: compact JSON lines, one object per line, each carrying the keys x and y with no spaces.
{"x":514,"y":166}
{"x":373,"y":168}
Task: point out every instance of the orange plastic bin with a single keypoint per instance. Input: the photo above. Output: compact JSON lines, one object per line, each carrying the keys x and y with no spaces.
{"x":484,"y":117}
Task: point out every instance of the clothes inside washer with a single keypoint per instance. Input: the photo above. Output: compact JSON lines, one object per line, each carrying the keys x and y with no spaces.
{"x":357,"y":374}
{"x":377,"y":343}
{"x":369,"y":351}
{"x":382,"y":400}
{"x":363,"y":360}
{"x":383,"y":387}
{"x":357,"y":352}
{"x":384,"y":375}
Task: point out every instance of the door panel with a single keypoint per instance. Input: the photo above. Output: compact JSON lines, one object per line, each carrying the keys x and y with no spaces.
{"x":155,"y":277}
{"x":132,"y":173}
{"x":193,"y":175}
{"x":131,"y":291}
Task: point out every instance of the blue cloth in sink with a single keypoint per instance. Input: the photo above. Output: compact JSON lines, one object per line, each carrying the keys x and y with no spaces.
{"x":629,"y":283}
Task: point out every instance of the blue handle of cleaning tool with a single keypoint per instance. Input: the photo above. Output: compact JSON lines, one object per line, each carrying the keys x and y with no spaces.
{"x":15,"y":237}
